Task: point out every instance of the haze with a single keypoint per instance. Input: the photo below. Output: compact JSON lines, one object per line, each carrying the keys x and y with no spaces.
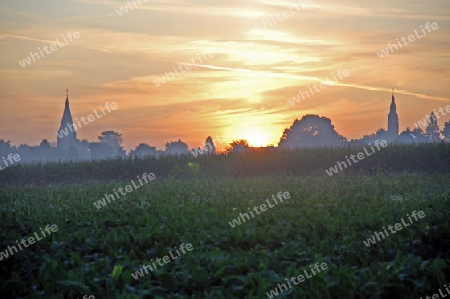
{"x":253,"y":73}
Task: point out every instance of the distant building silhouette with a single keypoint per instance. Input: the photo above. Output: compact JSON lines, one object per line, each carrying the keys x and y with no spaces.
{"x":409,"y":137}
{"x":66,"y":136}
{"x":392,"y":121}
{"x":311,"y":131}
{"x":392,"y":132}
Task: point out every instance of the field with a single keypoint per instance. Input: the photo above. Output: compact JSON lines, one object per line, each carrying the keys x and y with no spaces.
{"x":327,"y":219}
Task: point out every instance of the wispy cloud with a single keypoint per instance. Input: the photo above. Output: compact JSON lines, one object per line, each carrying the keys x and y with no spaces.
{"x":254,"y":70}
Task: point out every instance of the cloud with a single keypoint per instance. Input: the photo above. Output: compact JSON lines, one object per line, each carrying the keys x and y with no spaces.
{"x":253,"y":73}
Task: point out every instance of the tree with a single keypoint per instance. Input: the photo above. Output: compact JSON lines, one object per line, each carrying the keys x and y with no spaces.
{"x":446,"y":131}
{"x":176,"y":148}
{"x":5,"y":144}
{"x":97,"y":151}
{"x":311,"y":131}
{"x":432,"y":130}
{"x":5,"y":148}
{"x":45,"y":152}
{"x":111,"y":138}
{"x":83,"y":149}
{"x":109,"y":146}
{"x":237,"y":146}
{"x":44,"y":144}
{"x":418,"y":130}
{"x":419,"y":135}
{"x":209,"y":146}
{"x":143,"y":150}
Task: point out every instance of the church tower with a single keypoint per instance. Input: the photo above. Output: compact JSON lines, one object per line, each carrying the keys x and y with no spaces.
{"x":66,"y":135}
{"x":393,"y":120}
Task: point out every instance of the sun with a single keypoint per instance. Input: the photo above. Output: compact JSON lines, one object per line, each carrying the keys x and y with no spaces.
{"x":256,"y":139}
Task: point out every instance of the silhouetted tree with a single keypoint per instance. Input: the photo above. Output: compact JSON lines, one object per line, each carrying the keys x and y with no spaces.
{"x":176,"y":148}
{"x":83,"y":149}
{"x":419,"y":135}
{"x":111,"y":138}
{"x":311,"y":131}
{"x":446,"y":131}
{"x":209,"y":146}
{"x":4,"y":143}
{"x":432,"y":130}
{"x":44,"y":151}
{"x":6,"y":148}
{"x":109,"y":146}
{"x":44,"y":144}
{"x":418,"y":130}
{"x":238,"y":146}
{"x":143,"y":150}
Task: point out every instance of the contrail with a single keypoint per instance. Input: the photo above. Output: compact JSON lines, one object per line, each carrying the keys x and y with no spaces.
{"x":323,"y":80}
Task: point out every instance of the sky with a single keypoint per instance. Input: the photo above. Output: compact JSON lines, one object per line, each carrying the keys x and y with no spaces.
{"x":237,"y":62}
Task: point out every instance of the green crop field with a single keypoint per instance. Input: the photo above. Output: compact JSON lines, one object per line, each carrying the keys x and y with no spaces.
{"x":96,"y":252}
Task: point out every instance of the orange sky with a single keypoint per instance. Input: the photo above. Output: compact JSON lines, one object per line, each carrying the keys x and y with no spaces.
{"x":242,"y":90}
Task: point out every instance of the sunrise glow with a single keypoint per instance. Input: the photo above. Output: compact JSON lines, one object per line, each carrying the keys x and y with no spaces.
{"x":189,"y":70}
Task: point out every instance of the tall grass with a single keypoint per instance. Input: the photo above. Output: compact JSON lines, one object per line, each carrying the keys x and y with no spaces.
{"x":423,"y":158}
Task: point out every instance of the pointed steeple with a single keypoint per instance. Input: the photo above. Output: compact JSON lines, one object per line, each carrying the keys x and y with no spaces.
{"x":393,"y":119}
{"x":393,"y":106}
{"x":66,"y":135}
{"x":66,"y":106}
{"x":67,"y":116}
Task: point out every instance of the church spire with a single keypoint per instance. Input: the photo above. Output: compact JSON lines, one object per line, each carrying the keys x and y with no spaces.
{"x":393,"y":119}
{"x":66,"y":135}
{"x":393,"y":106}
{"x":66,"y":106}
